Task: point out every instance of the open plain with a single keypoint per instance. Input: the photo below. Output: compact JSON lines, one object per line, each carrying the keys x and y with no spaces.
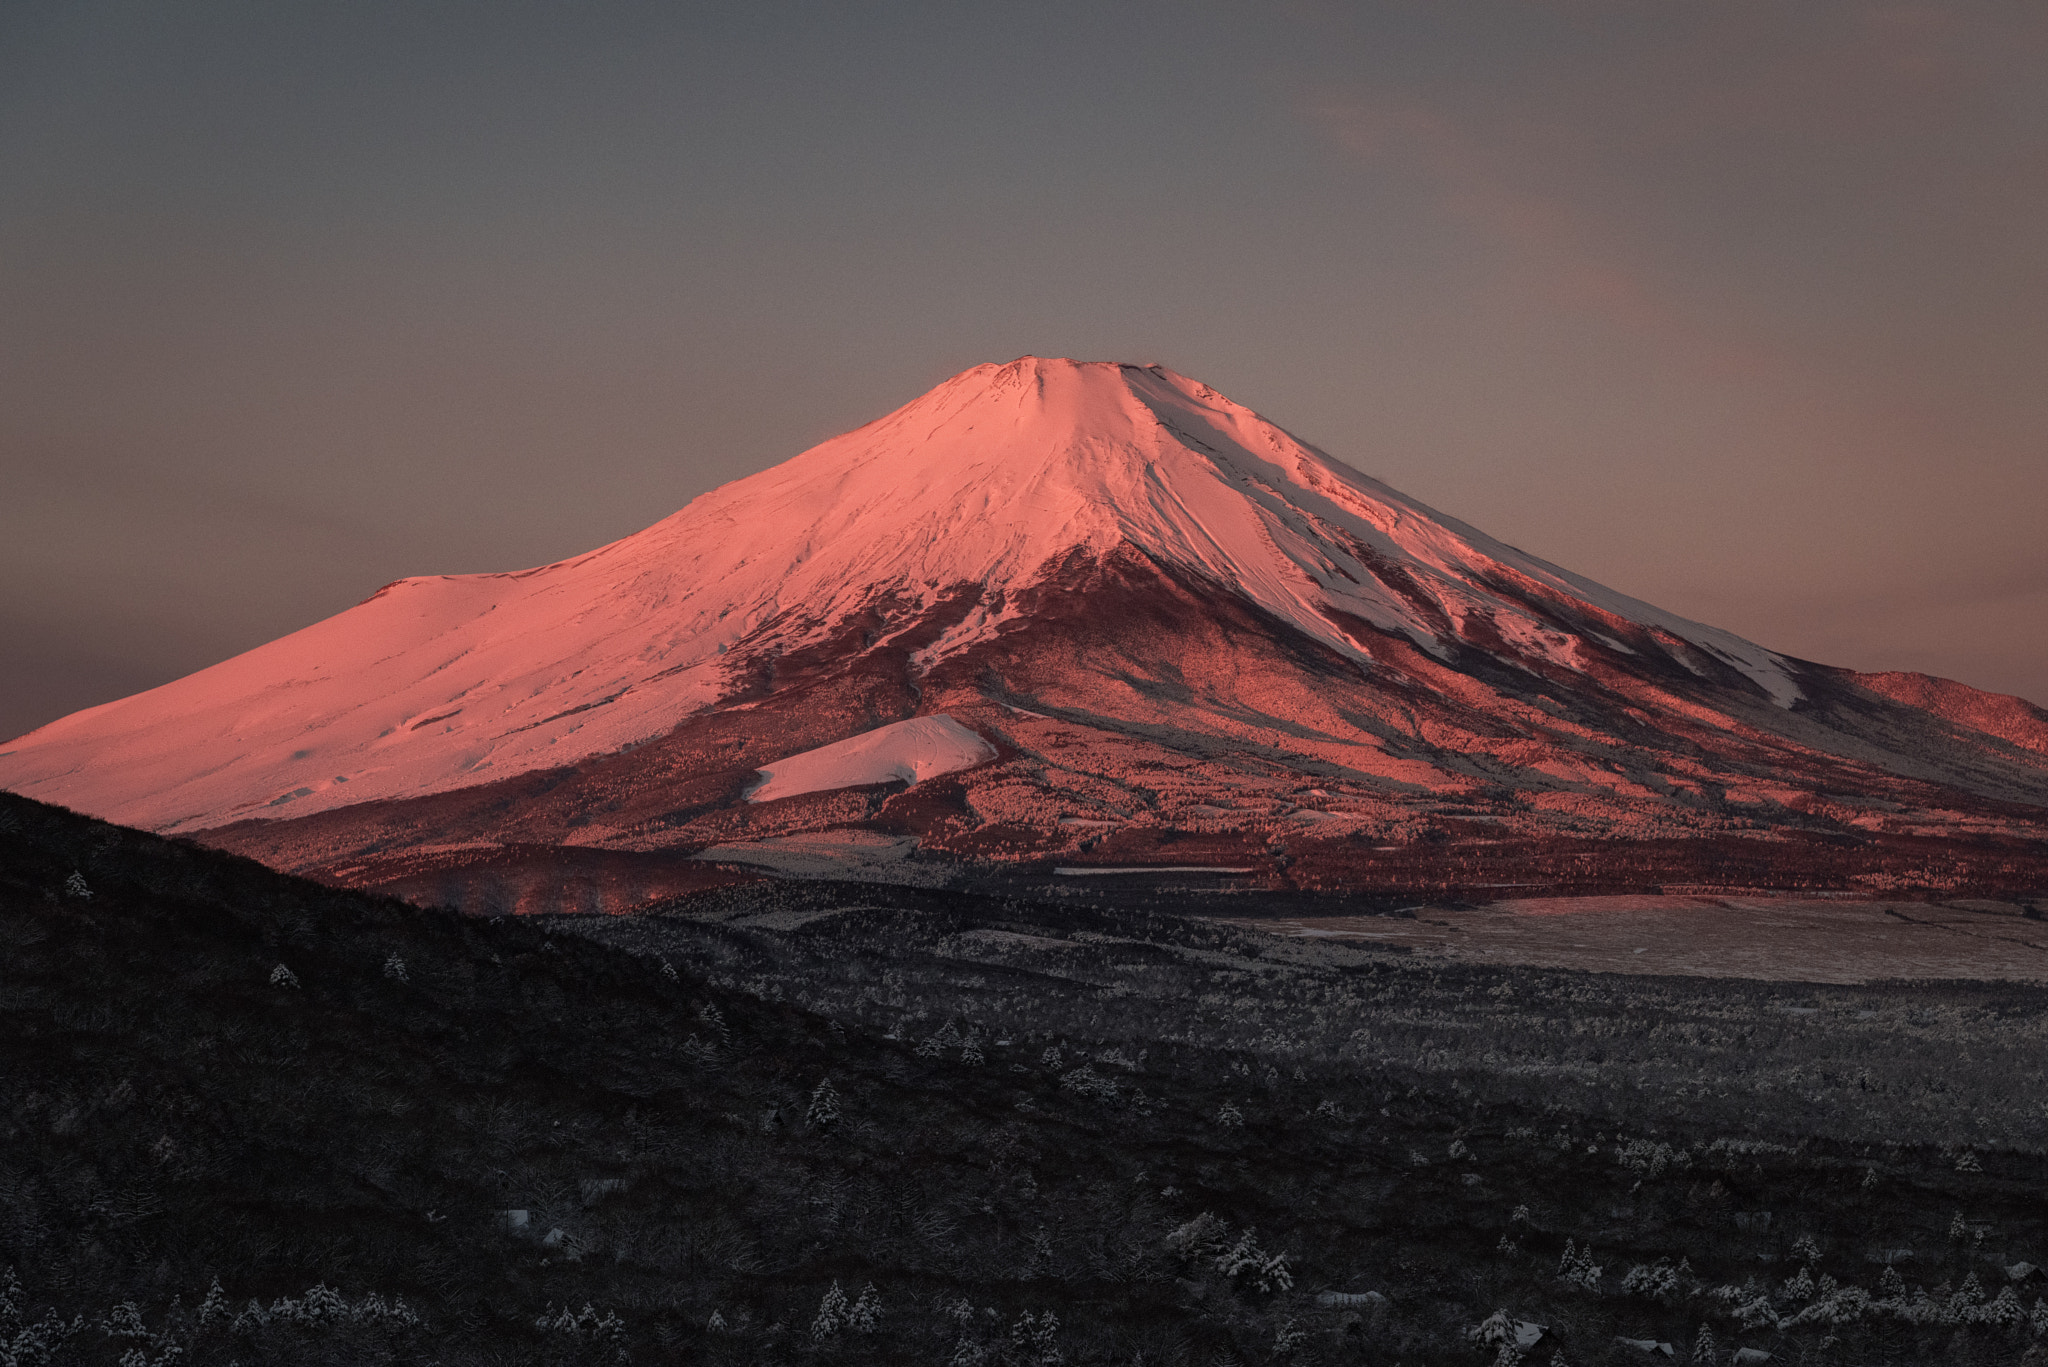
{"x":1773,"y":939}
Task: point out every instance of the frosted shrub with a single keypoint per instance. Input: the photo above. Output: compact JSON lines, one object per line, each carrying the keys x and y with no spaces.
{"x":971,"y":1055}
{"x":319,"y":1310}
{"x":1651,"y":1279}
{"x":709,"y":1014}
{"x":1649,"y":1159}
{"x":124,"y":1321}
{"x":1288,"y":1339}
{"x":1502,"y":1331}
{"x":1968,"y":1163}
{"x":215,"y":1308}
{"x":1704,"y":1349}
{"x":25,"y":1343}
{"x":1085,"y":1081}
{"x":1229,"y":1117}
{"x":1806,"y":1249}
{"x":1202,"y":1234}
{"x":587,"y":1327}
{"x":394,"y":969}
{"x":2004,"y":1310}
{"x":1269,"y":1271}
{"x":1035,"y":1339}
{"x":167,"y":1355}
{"x":319,"y":1306}
{"x":283,"y":977}
{"x":74,"y":886}
{"x":1577,"y":1268}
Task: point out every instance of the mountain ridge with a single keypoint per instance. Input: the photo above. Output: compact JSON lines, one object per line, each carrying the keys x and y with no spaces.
{"x":1163,"y":579}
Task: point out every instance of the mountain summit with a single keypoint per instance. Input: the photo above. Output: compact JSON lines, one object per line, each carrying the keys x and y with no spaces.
{"x":1130,"y":614}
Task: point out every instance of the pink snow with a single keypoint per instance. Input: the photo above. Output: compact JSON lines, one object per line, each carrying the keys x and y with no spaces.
{"x":993,"y":479}
{"x":901,"y":752}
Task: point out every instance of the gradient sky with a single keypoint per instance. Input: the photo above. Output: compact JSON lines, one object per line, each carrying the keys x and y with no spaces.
{"x":1741,"y":308}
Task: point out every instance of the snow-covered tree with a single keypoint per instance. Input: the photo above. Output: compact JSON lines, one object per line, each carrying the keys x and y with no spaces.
{"x":1290,"y":1337}
{"x":215,"y":1307}
{"x":1035,"y":1339}
{"x":866,"y":1315}
{"x":831,"y":1318}
{"x":824,"y":1107}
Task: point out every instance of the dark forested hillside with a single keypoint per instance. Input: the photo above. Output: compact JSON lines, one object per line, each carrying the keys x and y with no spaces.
{"x":246,"y":1118}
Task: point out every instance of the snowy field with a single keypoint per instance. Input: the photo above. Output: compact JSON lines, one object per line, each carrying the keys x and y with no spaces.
{"x":1772,"y":939}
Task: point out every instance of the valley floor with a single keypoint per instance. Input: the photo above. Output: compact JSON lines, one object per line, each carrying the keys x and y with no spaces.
{"x":1774,"y":939}
{"x":246,"y":1118}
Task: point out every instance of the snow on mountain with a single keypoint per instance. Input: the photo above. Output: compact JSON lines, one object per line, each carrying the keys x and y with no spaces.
{"x":907,"y":752}
{"x":974,"y":494}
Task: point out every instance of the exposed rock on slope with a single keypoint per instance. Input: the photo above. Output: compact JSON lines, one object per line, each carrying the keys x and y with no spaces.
{"x":1151,"y":617}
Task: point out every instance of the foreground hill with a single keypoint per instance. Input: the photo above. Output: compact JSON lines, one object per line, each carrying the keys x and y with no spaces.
{"x":1055,"y":612}
{"x":893,"y":1125}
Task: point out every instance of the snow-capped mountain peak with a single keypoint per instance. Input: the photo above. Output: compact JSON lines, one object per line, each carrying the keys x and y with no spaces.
{"x":931,"y":529}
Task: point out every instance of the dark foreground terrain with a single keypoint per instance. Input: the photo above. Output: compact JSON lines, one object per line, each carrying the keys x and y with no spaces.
{"x":246,"y":1118}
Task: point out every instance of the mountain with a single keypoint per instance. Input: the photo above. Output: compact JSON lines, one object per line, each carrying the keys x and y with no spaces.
{"x":1054,"y":612}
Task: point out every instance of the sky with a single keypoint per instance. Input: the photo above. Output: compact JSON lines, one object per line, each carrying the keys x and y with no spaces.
{"x":1740,"y":308}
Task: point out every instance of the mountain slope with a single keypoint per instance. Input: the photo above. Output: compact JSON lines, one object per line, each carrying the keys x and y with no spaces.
{"x":1163,"y":615}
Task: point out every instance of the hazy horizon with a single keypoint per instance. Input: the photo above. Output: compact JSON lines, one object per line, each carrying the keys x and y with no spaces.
{"x":1738,"y":311}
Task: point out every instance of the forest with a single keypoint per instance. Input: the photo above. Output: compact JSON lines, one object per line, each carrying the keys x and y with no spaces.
{"x":249,"y":1118}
